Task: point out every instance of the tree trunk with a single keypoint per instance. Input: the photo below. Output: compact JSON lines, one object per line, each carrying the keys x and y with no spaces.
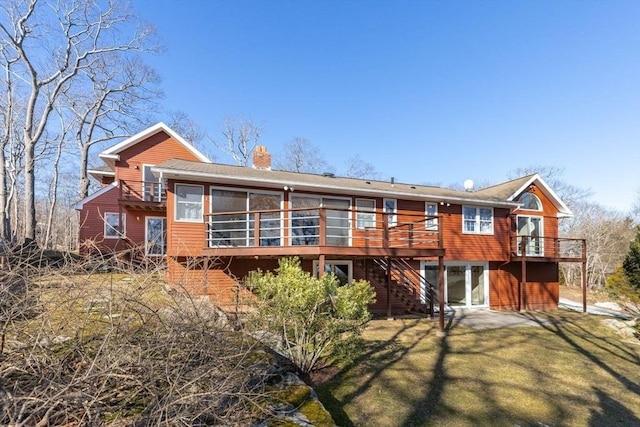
{"x":84,"y":178}
{"x":29,"y":193}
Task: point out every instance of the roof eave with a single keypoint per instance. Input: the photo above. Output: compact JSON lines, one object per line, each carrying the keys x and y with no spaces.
{"x":306,"y":186}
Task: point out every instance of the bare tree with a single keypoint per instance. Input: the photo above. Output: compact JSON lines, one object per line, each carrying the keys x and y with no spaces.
{"x":358,"y":168}
{"x":191,"y":131}
{"x":608,"y":234}
{"x":300,"y":155}
{"x":111,"y":100}
{"x":240,"y":139}
{"x":54,"y":43}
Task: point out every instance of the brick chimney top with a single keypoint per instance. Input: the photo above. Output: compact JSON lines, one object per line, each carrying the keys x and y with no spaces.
{"x":261,"y":158}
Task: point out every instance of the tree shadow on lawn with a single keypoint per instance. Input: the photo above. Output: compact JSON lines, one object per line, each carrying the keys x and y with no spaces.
{"x":503,"y":387}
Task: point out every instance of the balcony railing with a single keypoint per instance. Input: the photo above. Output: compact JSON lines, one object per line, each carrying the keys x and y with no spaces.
{"x":548,"y":247}
{"x":321,"y":227}
{"x":143,"y":191}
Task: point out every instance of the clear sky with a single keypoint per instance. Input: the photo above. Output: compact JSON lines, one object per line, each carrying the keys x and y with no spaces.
{"x":426,"y":91}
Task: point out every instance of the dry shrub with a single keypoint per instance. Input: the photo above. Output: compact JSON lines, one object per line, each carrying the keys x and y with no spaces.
{"x":85,"y":347}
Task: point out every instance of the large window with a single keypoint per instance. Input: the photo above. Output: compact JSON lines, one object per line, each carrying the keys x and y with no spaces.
{"x":189,"y":202}
{"x":305,"y":220}
{"x":365,"y":213}
{"x":114,"y":225}
{"x":233,"y":214}
{"x":431,"y":209}
{"x":477,"y":220}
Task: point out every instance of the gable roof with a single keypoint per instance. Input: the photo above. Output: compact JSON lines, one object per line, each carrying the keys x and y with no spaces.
{"x":80,"y":204}
{"x":100,"y":171}
{"x":112,"y":154}
{"x":240,"y":175}
{"x":511,"y":190}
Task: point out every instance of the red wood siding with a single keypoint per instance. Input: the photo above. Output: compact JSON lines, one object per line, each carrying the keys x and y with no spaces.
{"x":91,"y":233}
{"x":152,"y":151}
{"x":475,"y":247}
{"x":541,"y":292}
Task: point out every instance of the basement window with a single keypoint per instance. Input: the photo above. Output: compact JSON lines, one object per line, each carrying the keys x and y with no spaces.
{"x":114,"y":225}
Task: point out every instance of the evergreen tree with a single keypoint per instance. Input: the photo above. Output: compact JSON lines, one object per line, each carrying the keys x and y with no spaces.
{"x":631,"y":263}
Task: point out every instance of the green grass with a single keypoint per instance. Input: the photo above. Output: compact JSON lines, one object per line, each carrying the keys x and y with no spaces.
{"x":572,"y":371}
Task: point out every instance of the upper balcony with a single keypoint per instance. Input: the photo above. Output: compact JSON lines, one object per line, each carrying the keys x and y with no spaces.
{"x":322,"y":231}
{"x":545,"y":249}
{"x":143,"y":195}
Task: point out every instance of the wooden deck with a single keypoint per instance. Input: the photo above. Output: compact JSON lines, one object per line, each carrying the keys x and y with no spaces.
{"x":321,"y":231}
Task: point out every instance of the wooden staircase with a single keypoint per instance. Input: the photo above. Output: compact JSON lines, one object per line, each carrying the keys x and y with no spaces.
{"x":405,"y":283}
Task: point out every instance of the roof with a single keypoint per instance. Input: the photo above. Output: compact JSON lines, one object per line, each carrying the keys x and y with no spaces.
{"x":240,"y":175}
{"x":80,"y":204}
{"x":511,"y":190}
{"x":112,"y":154}
{"x":99,"y":171}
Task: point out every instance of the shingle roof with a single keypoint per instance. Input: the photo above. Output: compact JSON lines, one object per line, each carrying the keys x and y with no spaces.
{"x":505,"y":190}
{"x":229,"y":174}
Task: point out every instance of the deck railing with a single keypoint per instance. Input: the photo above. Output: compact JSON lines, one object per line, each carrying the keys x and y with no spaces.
{"x":146,"y":191}
{"x":548,"y":247}
{"x":321,"y":227}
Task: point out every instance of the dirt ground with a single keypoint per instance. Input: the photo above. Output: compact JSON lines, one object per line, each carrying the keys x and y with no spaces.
{"x":575,"y":294}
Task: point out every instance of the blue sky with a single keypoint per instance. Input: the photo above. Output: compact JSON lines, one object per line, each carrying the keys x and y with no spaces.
{"x":426,"y":91}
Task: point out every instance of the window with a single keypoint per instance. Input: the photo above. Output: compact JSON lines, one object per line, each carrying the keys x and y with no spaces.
{"x":466,"y":284}
{"x":232,"y":220}
{"x":343,"y":270}
{"x":365,"y":213}
{"x":530,"y":202}
{"x":477,"y":220}
{"x":189,"y":202}
{"x":114,"y":228}
{"x":431,"y":209}
{"x":391,"y":209}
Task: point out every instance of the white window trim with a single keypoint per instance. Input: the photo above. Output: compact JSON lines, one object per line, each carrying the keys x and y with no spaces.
{"x":122,"y":224}
{"x":528,"y":209}
{"x":477,"y":220}
{"x":371,"y":212}
{"x":146,"y":242}
{"x":175,"y":208}
{"x":434,"y":224}
{"x":393,"y":215}
{"x":467,"y":279}
{"x":316,"y":266}
{"x":246,"y":206}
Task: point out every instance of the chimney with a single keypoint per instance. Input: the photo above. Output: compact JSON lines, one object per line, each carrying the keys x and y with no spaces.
{"x":261,"y":158}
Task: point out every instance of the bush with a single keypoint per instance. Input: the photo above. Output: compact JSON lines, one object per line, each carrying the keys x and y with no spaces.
{"x":313,"y":317}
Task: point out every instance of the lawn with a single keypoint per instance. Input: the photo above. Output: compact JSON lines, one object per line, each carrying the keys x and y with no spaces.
{"x":570,"y":371}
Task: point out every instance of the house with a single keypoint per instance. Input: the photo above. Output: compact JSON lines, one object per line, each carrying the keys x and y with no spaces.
{"x":421,"y":247}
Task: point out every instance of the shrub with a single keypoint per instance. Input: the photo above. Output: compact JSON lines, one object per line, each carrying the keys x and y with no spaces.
{"x":313,"y":317}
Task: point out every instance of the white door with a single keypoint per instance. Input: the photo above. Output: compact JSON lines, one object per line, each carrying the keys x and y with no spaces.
{"x":155,"y":236}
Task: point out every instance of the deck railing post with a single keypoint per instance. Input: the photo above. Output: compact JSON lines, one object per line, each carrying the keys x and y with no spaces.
{"x":256,"y":229}
{"x":523,"y":250}
{"x":385,"y":231}
{"x":410,"y":234}
{"x":584,"y":276}
{"x":323,"y":227}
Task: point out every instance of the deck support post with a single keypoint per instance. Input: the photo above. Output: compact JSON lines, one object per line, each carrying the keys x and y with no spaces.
{"x":388,"y":280}
{"x":321,"y":266}
{"x":584,"y":276}
{"x":523,"y":281}
{"x":441,"y":294}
